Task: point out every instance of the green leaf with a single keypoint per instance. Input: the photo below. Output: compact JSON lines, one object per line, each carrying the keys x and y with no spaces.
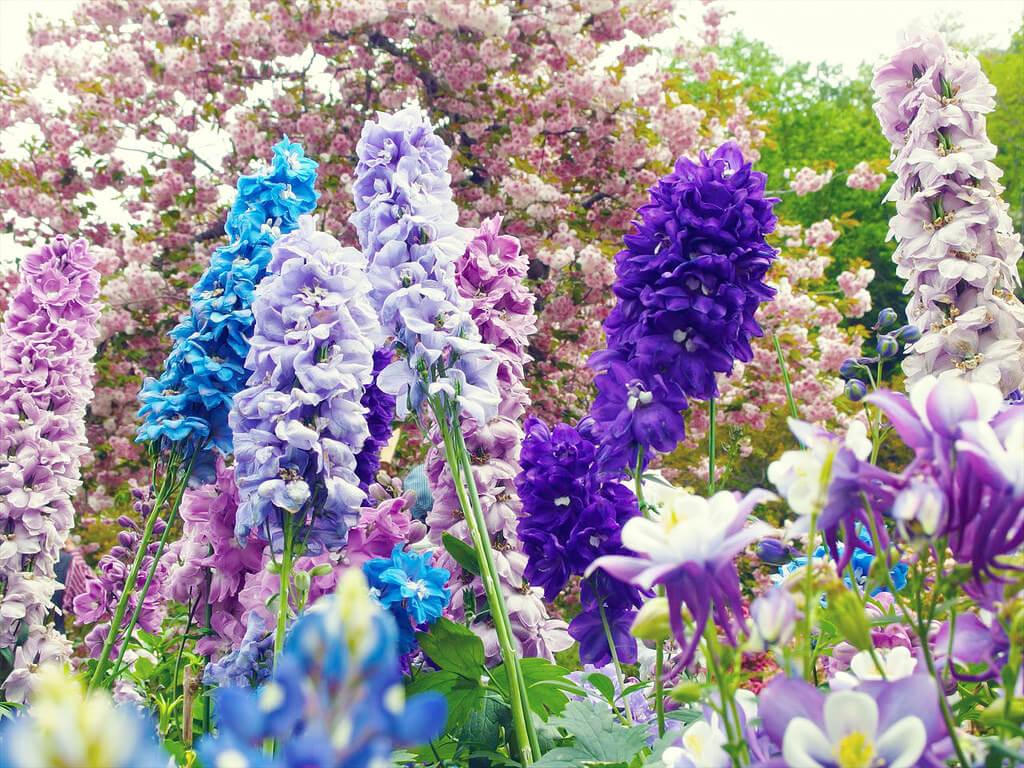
{"x":481,"y":730}
{"x":464,"y":696}
{"x":464,"y":554}
{"x":547,"y":685}
{"x":603,"y":684}
{"x":454,"y":648}
{"x":598,"y":739}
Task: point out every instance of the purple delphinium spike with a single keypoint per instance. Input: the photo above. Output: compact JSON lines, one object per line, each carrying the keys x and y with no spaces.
{"x":46,"y":347}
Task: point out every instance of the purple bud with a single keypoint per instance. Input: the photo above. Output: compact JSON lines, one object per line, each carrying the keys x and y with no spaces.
{"x":773,"y":552}
{"x":850,"y":369}
{"x":888,"y":347}
{"x":159,"y":526}
{"x":856,"y":390}
{"x":773,"y":616}
{"x":126,"y":522}
{"x":886,"y":319}
{"x":126,"y":539}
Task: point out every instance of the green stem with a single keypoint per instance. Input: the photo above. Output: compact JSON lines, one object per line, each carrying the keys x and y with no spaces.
{"x":133,"y":574}
{"x":728,"y":701}
{"x":711,"y":446}
{"x":785,"y":376}
{"x":809,"y":603}
{"x":458,"y":459}
{"x":615,"y":661}
{"x":284,"y":588}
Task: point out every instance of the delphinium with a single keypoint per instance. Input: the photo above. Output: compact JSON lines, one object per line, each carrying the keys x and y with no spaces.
{"x":490,"y":274}
{"x":572,"y":514}
{"x":688,"y":284}
{"x":185,"y":411}
{"x":380,"y":413}
{"x":407,"y":225}
{"x":300,"y":422}
{"x":957,"y":249}
{"x":335,"y":697}
{"x":46,"y":346}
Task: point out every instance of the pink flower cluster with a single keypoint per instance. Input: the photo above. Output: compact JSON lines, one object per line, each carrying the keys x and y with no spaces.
{"x":957,"y":249}
{"x":46,"y":347}
{"x":862,"y":177}
{"x":491,"y":273}
{"x":854,"y":285}
{"x":808,"y":180}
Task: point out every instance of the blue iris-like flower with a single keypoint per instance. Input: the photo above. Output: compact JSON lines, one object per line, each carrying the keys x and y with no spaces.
{"x":860,"y":563}
{"x":188,"y":405}
{"x":412,"y":589}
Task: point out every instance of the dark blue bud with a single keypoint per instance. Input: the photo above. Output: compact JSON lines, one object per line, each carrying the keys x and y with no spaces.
{"x":908,"y":334}
{"x":886,"y":318}
{"x":773,"y":552}
{"x":888,"y":347}
{"x":850,"y":369}
{"x":856,"y":389}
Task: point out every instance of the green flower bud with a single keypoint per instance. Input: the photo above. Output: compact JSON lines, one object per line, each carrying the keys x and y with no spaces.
{"x":686,"y":692}
{"x":846,"y":611}
{"x":652,"y":621}
{"x":321,"y":570}
{"x":301,"y":580}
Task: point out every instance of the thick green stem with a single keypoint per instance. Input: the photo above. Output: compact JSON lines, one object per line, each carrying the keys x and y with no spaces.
{"x":133,"y":574}
{"x":458,"y":459}
{"x":615,"y":661}
{"x":711,"y":445}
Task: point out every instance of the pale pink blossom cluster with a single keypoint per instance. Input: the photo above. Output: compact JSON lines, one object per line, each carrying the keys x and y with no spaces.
{"x":821,"y":234}
{"x":854,"y":285}
{"x":956,"y":248}
{"x":808,"y":180}
{"x":862,"y":177}
{"x":491,"y":273}
{"x":598,"y":268}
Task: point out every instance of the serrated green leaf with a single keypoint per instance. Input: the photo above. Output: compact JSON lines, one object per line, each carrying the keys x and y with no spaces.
{"x":464,"y":696}
{"x":598,"y":738}
{"x":454,"y":648}
{"x":547,"y":685}
{"x":464,"y":554}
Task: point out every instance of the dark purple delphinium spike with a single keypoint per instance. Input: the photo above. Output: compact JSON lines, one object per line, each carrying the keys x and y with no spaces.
{"x":381,"y":412}
{"x":688,"y":284}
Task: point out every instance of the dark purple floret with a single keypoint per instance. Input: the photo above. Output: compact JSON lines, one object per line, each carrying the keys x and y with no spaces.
{"x":381,"y":414}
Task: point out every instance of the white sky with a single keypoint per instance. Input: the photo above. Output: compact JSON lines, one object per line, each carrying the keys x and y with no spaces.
{"x":844,"y":32}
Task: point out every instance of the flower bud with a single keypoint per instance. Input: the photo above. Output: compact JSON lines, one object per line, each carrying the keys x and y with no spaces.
{"x":686,"y":692}
{"x":886,"y":319}
{"x":773,"y":618}
{"x":850,"y":368}
{"x":321,"y":570}
{"x":848,"y":615}
{"x":126,"y":522}
{"x":652,"y":621}
{"x":856,"y":389}
{"x":273,"y":566}
{"x":908,"y":334}
{"x":301,"y":580}
{"x":773,"y":552}
{"x":888,"y":347}
{"x":920,"y":509}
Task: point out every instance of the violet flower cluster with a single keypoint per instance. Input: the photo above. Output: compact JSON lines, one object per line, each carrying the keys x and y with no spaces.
{"x":380,"y":407}
{"x":46,"y":348}
{"x":573,"y":513}
{"x":688,"y":282}
{"x":490,"y":274}
{"x":208,"y":566}
{"x":300,"y":423}
{"x":98,"y":601}
{"x":188,"y":405}
{"x":957,"y":249}
{"x":408,"y":228}
{"x":335,"y":697}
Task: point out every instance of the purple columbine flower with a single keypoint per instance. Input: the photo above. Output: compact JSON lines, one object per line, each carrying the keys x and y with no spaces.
{"x":300,"y":422}
{"x":688,"y":284}
{"x":689,"y":548}
{"x":895,"y":724}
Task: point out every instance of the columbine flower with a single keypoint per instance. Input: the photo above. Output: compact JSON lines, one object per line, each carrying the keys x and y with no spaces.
{"x":335,"y":697}
{"x":190,"y":401}
{"x":701,"y":747}
{"x":47,"y":342}
{"x":688,"y":283}
{"x":893,"y":724}
{"x":970,"y":452}
{"x":897,"y":663}
{"x":66,"y":727}
{"x":689,"y":548}
{"x":300,"y":422}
